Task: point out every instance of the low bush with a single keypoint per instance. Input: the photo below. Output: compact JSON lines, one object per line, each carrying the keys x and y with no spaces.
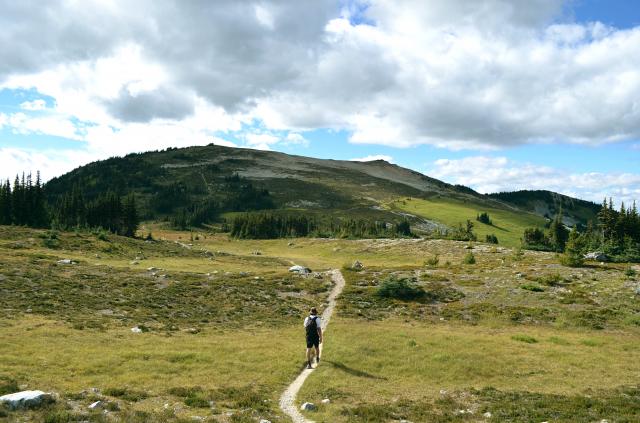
{"x":469,"y":258}
{"x":400,"y":289}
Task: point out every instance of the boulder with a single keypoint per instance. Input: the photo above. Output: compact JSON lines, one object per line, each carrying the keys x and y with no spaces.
{"x":300,"y":270}
{"x":307,"y":406}
{"x":357,"y":265}
{"x":26,"y":399}
{"x":596,"y":256}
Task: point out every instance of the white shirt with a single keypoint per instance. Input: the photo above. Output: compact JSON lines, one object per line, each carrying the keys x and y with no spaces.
{"x":307,"y":321}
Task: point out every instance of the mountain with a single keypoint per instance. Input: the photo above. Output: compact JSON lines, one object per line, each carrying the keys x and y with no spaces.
{"x":235,"y":179}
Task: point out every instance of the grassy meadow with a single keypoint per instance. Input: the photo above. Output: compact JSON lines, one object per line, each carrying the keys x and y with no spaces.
{"x":514,"y":336}
{"x":508,"y":225}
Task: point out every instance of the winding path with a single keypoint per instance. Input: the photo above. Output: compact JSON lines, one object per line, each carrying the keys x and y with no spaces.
{"x":288,"y":398}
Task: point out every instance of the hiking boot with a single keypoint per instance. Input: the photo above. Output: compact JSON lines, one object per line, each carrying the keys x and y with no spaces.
{"x":309,"y":366}
{"x":317,"y":360}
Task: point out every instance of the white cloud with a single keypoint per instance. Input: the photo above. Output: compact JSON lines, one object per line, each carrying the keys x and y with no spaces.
{"x":495,"y":174}
{"x":374,"y":157}
{"x":50,"y":163}
{"x":21,"y":123}
{"x":34,"y":105}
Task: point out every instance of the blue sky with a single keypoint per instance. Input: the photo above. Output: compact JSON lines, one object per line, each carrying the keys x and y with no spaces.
{"x":542,"y":96}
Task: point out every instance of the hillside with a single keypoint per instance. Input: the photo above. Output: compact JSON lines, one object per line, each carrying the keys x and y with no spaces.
{"x":237,"y":180}
{"x":547,"y":204}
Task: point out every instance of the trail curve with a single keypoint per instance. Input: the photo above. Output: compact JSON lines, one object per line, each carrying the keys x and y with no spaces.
{"x":288,"y":398}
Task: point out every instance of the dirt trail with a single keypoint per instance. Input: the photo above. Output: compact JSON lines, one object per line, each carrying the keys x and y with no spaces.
{"x":288,"y":398}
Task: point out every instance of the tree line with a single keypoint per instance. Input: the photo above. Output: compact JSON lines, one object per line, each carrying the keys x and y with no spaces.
{"x":24,"y":203}
{"x":616,"y":233}
{"x":271,"y":226}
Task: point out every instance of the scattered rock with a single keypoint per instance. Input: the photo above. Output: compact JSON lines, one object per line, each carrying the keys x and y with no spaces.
{"x":257,"y":253}
{"x":300,"y":270}
{"x":487,"y":415}
{"x":290,"y":244}
{"x":596,"y":256}
{"x":152,"y":269}
{"x":97,"y":404}
{"x":66,"y":261}
{"x":307,"y":406}
{"x":265,"y":421}
{"x":27,"y":399}
{"x":193,"y":331}
{"x":326,"y":401}
{"x":136,"y":330}
{"x":134,"y":262}
{"x":357,"y":265}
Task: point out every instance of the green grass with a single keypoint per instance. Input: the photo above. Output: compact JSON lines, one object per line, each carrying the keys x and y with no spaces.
{"x":222,"y":327}
{"x":404,"y":369}
{"x":508,"y":225}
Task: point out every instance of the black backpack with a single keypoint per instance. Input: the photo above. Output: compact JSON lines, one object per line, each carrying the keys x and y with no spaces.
{"x":312,"y":327}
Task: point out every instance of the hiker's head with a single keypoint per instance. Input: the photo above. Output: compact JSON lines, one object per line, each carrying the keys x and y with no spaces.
{"x":313,"y":311}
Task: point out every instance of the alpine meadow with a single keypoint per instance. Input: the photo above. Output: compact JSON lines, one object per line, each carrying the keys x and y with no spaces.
{"x":337,"y":211}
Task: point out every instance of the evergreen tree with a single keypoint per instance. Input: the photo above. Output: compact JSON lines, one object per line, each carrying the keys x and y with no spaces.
{"x":558,"y":233}
{"x":573,"y":254}
{"x":131,"y":220}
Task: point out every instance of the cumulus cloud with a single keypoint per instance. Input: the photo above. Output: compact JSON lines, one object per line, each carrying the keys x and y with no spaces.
{"x":374,"y":157}
{"x":496,"y":174}
{"x":457,"y":74}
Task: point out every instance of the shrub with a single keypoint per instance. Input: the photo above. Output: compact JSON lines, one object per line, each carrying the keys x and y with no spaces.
{"x":630,"y":272}
{"x":469,"y":258}
{"x":532,"y":288}
{"x":401,"y":289}
{"x":8,"y":386}
{"x":551,"y":280}
{"x":491,"y":239}
{"x":484,"y":218}
{"x":433,"y":261}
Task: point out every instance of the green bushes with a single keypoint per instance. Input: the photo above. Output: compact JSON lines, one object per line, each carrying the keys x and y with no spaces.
{"x":491,"y":239}
{"x":400,"y":289}
{"x":469,"y":258}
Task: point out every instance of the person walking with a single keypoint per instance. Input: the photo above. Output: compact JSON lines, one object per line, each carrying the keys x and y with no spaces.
{"x":313,"y":329}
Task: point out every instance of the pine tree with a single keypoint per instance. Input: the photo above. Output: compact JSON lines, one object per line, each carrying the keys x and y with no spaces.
{"x":573,"y":255}
{"x":130,"y":219}
{"x":558,"y":233}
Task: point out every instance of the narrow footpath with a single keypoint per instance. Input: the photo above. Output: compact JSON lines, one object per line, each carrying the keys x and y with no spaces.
{"x":288,"y":398}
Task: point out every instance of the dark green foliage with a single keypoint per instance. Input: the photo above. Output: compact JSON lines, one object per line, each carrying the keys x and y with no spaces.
{"x":532,"y":288}
{"x":24,"y":203}
{"x":525,"y":338}
{"x":484,"y":218}
{"x":491,"y":239}
{"x":107,"y":211}
{"x":463,"y":232}
{"x":271,"y":226}
{"x":469,"y":258}
{"x":573,"y":256}
{"x":400,"y":289}
{"x":195,"y":215}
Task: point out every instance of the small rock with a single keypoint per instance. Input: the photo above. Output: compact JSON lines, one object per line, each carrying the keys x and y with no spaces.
{"x":307,"y":406}
{"x":66,"y":261}
{"x":97,"y":404}
{"x":265,"y":421}
{"x":326,"y":401}
{"x":27,"y":399}
{"x":290,"y":244}
{"x":134,"y":262}
{"x":487,"y":415}
{"x":136,"y":330}
{"x":152,"y":269}
{"x":357,"y":265}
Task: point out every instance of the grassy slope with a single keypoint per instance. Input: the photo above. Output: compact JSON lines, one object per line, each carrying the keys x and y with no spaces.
{"x":508,"y":225}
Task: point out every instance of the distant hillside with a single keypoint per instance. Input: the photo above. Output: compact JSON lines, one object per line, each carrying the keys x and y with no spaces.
{"x":547,"y":204}
{"x":166,"y":183}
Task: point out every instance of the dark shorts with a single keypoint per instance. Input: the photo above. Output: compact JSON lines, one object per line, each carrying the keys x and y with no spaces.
{"x":313,"y":342}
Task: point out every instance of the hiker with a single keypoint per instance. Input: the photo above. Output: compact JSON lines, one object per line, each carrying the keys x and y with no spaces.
{"x":312,"y":325}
